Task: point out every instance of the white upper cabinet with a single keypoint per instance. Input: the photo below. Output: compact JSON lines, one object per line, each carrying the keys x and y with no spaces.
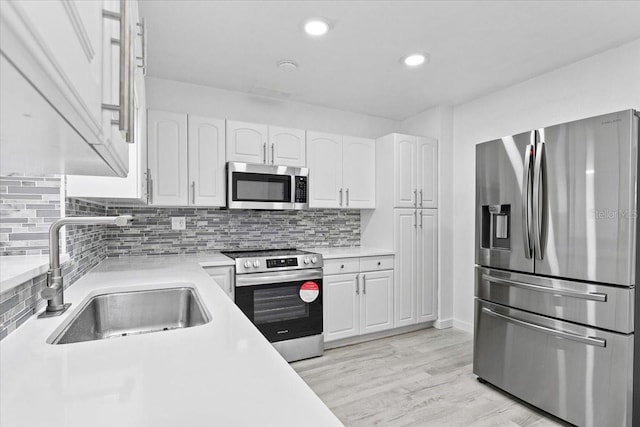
{"x":168,"y":161}
{"x":341,"y":171}
{"x":286,"y":147}
{"x":206,"y":161}
{"x":358,"y":172}
{"x":405,"y":171}
{"x":324,"y":160}
{"x":56,"y":68}
{"x":270,"y":145}
{"x":415,"y":171}
{"x":427,"y":172}
{"x":247,"y":142}
{"x":186,"y":160}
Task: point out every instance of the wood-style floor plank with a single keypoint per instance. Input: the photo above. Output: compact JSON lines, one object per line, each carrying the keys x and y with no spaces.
{"x":422,"y":378}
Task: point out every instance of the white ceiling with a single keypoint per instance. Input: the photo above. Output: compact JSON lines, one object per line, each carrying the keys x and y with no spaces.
{"x":476,"y":47}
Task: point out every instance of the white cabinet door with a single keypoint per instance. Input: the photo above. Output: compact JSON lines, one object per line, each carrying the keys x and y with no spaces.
{"x":341,"y":306}
{"x":427,"y":257}
{"x":246,"y":142}
{"x":376,"y":309}
{"x":206,"y":161}
{"x":359,"y":172}
{"x":324,"y":159}
{"x":167,"y":158}
{"x":427,"y":172}
{"x":223,"y":276}
{"x":287,"y":147}
{"x":405,"y":266}
{"x":405,"y":171}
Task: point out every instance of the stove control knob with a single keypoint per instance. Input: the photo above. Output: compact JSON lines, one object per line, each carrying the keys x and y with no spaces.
{"x":306,"y":260}
{"x":314,"y":260}
{"x":247,"y":264}
{"x":256,"y":263}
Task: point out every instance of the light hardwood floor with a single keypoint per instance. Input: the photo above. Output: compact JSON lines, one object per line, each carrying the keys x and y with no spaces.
{"x":420,"y":378}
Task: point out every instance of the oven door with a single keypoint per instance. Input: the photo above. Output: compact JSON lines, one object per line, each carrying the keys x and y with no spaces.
{"x":283,"y":305}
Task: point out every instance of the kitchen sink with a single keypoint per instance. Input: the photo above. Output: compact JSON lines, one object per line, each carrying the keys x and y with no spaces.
{"x":121,"y":314}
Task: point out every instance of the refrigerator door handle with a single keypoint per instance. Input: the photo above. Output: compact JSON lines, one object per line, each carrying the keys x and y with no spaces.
{"x":538,"y":199}
{"x":598,"y":342}
{"x":526,"y":199}
{"x":592,"y":296}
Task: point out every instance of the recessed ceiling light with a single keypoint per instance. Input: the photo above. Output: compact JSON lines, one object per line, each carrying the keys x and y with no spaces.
{"x":414,"y":60}
{"x":316,"y":27}
{"x":287,"y":65}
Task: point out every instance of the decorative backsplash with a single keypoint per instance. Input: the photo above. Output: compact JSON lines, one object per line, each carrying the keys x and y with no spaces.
{"x":86,"y":248}
{"x":28,"y":207}
{"x":219,"y":229}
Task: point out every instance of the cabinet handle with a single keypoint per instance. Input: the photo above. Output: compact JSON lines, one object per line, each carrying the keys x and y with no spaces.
{"x":264,"y":152}
{"x":143,"y":42}
{"x":347,"y":197}
{"x":341,"y":197}
{"x":415,"y":197}
{"x":273,"y":153}
{"x":193,"y":192}
{"x":421,"y":197}
{"x":357,"y":284}
{"x":421,"y":219}
{"x":364,"y":284}
{"x":415,"y":219}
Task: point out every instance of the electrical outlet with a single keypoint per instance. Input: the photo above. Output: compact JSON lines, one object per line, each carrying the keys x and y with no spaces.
{"x":178,"y":223}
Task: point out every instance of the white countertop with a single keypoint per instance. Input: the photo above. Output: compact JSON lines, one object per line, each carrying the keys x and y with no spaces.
{"x":223,"y":373}
{"x":15,"y":270}
{"x":333,"y":253}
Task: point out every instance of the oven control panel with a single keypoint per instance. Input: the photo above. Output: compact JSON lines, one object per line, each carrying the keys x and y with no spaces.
{"x":282,"y":262}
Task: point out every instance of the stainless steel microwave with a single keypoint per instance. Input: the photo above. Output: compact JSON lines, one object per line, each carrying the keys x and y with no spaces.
{"x":255,"y":186}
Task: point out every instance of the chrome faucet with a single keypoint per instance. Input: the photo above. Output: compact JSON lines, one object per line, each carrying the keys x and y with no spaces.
{"x":53,"y":293}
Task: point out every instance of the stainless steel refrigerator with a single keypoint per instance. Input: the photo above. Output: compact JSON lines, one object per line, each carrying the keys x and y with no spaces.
{"x":556,"y":268}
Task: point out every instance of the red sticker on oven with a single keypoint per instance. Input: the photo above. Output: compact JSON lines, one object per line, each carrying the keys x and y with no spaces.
{"x":309,"y":291}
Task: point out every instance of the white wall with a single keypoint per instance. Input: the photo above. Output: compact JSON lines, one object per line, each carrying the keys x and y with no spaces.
{"x":169,"y":95}
{"x":438,"y":123}
{"x":603,"y":83}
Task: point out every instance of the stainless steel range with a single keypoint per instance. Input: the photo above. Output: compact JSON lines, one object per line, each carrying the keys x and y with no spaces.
{"x":280,"y":291}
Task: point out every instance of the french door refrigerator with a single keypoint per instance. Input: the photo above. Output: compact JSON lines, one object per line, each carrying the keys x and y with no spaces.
{"x":556,"y":269}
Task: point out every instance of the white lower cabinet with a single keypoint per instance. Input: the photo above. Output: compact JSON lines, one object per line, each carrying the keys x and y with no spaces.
{"x":357,"y":302}
{"x":224,"y":278}
{"x":416,"y":265}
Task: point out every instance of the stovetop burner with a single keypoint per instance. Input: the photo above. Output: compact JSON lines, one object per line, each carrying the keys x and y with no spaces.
{"x":260,"y":253}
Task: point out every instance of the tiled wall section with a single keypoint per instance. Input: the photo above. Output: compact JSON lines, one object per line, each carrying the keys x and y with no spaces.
{"x":28,"y":205}
{"x":218,"y":229}
{"x":86,"y":247}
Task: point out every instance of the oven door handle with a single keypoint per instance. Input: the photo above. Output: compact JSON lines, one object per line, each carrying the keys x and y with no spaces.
{"x":279,"y":277}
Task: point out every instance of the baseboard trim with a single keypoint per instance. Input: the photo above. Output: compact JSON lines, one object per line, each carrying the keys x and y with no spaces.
{"x":443,"y":324}
{"x":376,"y":335}
{"x":463,"y":326}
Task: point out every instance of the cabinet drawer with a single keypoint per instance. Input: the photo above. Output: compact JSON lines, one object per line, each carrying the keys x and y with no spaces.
{"x":376,"y":263}
{"x":343,"y":265}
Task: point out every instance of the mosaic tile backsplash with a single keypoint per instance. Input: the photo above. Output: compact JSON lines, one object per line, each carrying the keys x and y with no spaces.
{"x":28,"y":206}
{"x":86,"y":248}
{"x":219,"y":229}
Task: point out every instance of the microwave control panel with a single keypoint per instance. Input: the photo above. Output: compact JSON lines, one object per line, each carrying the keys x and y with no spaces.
{"x":301,"y":189}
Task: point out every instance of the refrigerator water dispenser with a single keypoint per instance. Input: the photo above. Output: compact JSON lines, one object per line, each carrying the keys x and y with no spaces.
{"x":496,"y":221}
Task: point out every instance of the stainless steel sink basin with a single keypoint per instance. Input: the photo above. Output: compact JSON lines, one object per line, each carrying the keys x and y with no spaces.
{"x":138,"y":312}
